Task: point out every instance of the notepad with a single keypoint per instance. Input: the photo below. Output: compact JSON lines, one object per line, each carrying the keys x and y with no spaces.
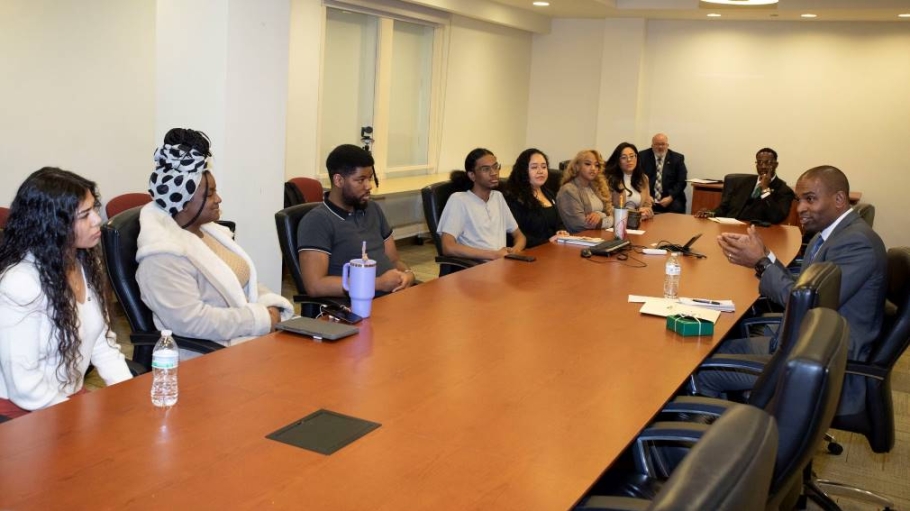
{"x":667,"y":307}
{"x":584,"y":241}
{"x":726,"y":220}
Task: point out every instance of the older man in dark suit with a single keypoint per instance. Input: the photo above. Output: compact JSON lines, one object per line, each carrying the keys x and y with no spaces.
{"x":841,"y":237}
{"x":666,"y":171}
{"x":764,"y":199}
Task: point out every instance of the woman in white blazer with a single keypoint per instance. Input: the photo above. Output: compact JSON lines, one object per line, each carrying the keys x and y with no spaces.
{"x":194,"y":277}
{"x":53,"y":314}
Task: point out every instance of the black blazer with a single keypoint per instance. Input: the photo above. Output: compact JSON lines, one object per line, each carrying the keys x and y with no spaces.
{"x":673,"y":177}
{"x":737,"y":201}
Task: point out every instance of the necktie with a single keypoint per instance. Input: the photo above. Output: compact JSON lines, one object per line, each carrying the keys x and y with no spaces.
{"x":756,"y":193}
{"x":813,"y":250}
{"x":658,"y":186}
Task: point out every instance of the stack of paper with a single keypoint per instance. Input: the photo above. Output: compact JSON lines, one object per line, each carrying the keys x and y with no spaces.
{"x":665,"y":307}
{"x":628,"y":231}
{"x":726,"y":220}
{"x":584,"y":241}
{"x":718,"y":305}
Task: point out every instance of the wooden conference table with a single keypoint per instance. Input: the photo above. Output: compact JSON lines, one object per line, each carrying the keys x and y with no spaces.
{"x":507,"y":386}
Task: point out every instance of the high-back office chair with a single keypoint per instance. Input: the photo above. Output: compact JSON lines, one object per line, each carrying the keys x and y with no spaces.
{"x":124,"y":202}
{"x":554,"y":178}
{"x":804,"y":402}
{"x":299,"y":190}
{"x":286,"y":221}
{"x":818,"y":286}
{"x":876,"y":420}
{"x":866,"y":212}
{"x":4,"y":215}
{"x":119,"y":245}
{"x":434,"y":198}
{"x":728,"y":469}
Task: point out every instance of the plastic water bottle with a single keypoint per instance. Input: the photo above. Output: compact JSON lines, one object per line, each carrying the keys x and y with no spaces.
{"x":671,"y":277}
{"x":165,"y":359}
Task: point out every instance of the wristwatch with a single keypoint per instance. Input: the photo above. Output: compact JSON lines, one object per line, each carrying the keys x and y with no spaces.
{"x":761,"y":266}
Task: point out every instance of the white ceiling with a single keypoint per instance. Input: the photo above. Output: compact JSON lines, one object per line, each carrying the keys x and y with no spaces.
{"x":827,"y":10}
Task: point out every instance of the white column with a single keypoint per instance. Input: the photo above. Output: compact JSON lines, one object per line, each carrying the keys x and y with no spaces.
{"x":222,"y":67}
{"x":622,"y":61}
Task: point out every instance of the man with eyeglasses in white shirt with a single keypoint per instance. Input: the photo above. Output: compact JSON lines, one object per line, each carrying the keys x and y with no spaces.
{"x":474,"y":222}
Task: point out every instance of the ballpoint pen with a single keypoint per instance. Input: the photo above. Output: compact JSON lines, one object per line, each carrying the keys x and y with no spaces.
{"x":702,"y":300}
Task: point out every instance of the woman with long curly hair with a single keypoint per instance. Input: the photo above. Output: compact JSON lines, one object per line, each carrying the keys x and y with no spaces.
{"x":629,"y":186}
{"x":53,"y":314}
{"x":583,"y":199}
{"x":532,"y":204}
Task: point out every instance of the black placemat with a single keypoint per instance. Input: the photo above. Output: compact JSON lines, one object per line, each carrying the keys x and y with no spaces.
{"x":323,"y":431}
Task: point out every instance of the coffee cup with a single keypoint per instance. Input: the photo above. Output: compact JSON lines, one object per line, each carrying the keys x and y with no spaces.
{"x":358,"y":278}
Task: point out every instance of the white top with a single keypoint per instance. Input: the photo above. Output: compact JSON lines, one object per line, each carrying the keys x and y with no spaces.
{"x":28,"y":349}
{"x":633,"y":200}
{"x":477,"y":223}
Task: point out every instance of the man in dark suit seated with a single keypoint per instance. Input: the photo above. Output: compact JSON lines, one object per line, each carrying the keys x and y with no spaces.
{"x":767,"y":199}
{"x":841,"y":237}
{"x":666,"y":171}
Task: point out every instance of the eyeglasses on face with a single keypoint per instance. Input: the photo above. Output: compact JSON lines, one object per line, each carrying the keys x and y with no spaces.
{"x":764,"y":163}
{"x":628,"y":157}
{"x":486,"y":169}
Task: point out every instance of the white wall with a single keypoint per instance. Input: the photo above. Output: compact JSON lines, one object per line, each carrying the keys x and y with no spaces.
{"x":305,"y":54}
{"x":565,"y":88}
{"x":487,"y":89}
{"x":818,"y":93}
{"x":78,"y":91}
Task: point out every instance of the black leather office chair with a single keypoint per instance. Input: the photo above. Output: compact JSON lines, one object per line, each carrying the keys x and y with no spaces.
{"x":118,"y":241}
{"x":4,"y":214}
{"x":818,"y":286}
{"x":866,"y":212}
{"x":728,"y":469}
{"x":286,"y":221}
{"x":876,"y":420}
{"x":803,"y":404}
{"x":554,"y":179}
{"x":300,"y":190}
{"x":434,"y":201}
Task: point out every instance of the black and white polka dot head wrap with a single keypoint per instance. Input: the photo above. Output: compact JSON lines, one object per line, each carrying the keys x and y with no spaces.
{"x":178,"y":172}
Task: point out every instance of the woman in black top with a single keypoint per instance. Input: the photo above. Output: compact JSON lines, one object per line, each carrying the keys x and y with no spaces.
{"x":532,"y":204}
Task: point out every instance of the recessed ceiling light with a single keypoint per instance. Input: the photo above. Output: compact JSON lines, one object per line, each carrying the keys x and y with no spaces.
{"x":741,"y":2}
{"x":542,"y":4}
{"x":907,"y":15}
{"x":713,"y":15}
{"x":808,"y":15}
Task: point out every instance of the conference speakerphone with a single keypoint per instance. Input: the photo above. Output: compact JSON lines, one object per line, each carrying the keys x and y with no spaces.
{"x":610,"y":247}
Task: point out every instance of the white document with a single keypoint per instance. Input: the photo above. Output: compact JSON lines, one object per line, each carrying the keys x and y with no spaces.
{"x":666,"y":307}
{"x":584,"y":241}
{"x":718,"y":305}
{"x":628,"y":231}
{"x":726,"y":220}
{"x":703,"y":181}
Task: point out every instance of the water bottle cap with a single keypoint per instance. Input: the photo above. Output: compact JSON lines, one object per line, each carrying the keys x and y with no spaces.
{"x":166,"y":333}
